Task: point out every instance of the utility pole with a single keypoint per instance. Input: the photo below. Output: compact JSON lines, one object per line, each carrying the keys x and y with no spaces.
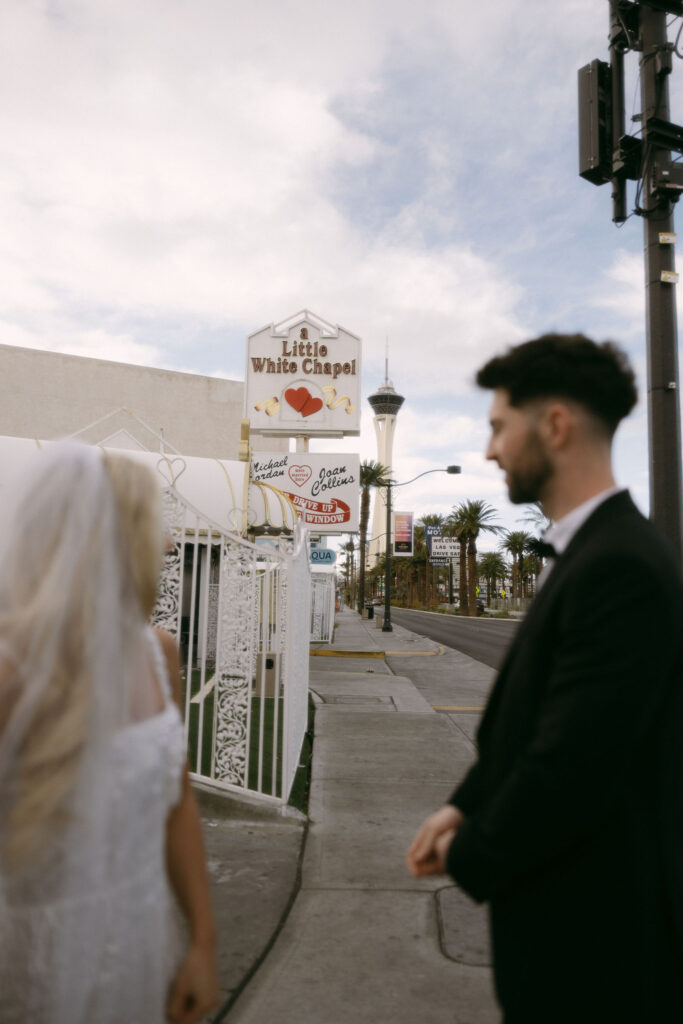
{"x":607,"y":153}
{"x":386,"y":624}
{"x":664,"y":423}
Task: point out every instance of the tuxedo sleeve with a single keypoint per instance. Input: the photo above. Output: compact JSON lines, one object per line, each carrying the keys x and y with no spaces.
{"x":468,"y":795}
{"x":610,"y":671}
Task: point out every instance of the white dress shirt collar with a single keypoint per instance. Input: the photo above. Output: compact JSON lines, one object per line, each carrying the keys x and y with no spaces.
{"x":561,"y":532}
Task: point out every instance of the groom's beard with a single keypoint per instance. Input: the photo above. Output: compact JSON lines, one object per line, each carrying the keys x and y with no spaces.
{"x":527,"y":480}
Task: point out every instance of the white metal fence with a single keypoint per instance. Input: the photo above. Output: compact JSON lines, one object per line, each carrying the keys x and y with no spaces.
{"x":241,"y":615}
{"x":323,"y":590}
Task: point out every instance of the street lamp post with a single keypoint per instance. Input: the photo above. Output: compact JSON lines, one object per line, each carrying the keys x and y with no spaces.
{"x":386,"y":625}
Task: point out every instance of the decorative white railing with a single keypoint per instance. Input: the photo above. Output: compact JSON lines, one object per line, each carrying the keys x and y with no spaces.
{"x":241,"y":615}
{"x":323,"y":588}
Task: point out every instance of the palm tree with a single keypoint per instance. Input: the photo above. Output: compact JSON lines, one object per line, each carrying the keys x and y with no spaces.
{"x":372,"y":474}
{"x":452,"y":528}
{"x":375,"y":575}
{"x":419,"y":560}
{"x":350,"y":549}
{"x":530,"y":567}
{"x":516,"y":543}
{"x":492,"y":567}
{"x":471,"y":518}
{"x":433,"y":519}
{"x":537,"y":518}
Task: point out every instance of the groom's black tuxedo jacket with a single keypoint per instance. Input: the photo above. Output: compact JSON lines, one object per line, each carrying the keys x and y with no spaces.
{"x":574,"y":808}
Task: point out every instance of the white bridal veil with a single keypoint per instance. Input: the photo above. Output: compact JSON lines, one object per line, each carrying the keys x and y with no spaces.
{"x":65,"y":582}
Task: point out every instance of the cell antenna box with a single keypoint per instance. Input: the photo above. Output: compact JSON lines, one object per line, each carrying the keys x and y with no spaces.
{"x":595,"y":122}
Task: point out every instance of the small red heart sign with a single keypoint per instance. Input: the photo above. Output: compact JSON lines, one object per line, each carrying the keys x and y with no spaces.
{"x":311,"y":405}
{"x":297,"y":397}
{"x":303,"y":401}
{"x":300,"y":474}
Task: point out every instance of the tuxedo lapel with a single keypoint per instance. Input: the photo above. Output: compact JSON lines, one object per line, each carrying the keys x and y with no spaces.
{"x":618,"y":505}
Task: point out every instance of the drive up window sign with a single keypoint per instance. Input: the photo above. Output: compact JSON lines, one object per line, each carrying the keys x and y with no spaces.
{"x":303,"y":378}
{"x":324,"y":489}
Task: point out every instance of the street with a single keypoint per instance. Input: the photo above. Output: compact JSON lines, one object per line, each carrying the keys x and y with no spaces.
{"x":485,"y":640}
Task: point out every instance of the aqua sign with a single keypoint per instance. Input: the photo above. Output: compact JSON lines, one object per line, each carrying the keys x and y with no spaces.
{"x":323,"y":556}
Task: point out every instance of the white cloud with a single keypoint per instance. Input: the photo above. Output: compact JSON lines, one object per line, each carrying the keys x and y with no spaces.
{"x":173,"y":163}
{"x":173,"y":170}
{"x":621,"y":291}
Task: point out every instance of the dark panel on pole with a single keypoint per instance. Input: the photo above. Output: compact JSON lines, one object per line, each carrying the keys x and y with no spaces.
{"x":669,"y":6}
{"x":618,"y":40}
{"x":595,"y":127}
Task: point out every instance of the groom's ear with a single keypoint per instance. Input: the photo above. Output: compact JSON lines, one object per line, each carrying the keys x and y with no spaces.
{"x":557,"y":424}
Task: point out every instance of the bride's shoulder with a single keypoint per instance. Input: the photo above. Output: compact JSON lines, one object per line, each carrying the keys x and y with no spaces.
{"x":169,"y":648}
{"x":166,"y":639}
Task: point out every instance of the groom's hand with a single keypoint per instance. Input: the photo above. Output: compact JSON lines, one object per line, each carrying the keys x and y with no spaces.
{"x":427,"y":852}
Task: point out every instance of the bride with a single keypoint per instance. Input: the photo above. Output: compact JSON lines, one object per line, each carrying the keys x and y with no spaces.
{"x":100,"y":843}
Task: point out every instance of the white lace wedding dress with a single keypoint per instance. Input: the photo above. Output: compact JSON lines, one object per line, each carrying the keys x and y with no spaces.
{"x":93,"y":936}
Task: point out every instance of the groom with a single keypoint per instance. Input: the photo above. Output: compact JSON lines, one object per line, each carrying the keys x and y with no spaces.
{"x":570,"y":823}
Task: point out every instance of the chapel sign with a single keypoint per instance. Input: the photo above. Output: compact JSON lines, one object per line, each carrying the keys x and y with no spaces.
{"x":303,"y":377}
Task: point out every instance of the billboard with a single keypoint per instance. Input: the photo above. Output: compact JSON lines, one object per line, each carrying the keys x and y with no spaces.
{"x":430,"y":533}
{"x":324,"y":488}
{"x":445,"y":547}
{"x":403,"y":534}
{"x":303,"y":378}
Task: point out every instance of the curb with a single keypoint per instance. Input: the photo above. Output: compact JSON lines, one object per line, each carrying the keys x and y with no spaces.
{"x":347,"y":654}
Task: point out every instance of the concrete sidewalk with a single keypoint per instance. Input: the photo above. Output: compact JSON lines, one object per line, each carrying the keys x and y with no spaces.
{"x":356,"y":938}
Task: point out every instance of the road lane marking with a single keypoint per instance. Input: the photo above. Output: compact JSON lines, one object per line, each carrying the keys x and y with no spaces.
{"x":373,"y":654}
{"x":455,"y":707}
{"x":412,"y":654}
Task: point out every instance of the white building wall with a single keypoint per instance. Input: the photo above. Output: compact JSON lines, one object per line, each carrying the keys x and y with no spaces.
{"x":47,"y":395}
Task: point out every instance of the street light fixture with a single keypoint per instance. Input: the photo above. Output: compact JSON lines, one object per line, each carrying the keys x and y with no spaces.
{"x":386,"y":625}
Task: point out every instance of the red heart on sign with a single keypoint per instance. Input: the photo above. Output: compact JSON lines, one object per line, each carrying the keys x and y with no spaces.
{"x":300,"y":474}
{"x":297,"y":397}
{"x":311,"y":405}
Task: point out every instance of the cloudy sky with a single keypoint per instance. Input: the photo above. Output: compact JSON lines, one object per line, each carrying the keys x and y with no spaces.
{"x":176,"y":174}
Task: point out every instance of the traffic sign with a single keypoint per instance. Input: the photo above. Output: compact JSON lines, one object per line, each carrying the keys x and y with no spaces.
{"x":445,"y":547}
{"x":323,"y":556}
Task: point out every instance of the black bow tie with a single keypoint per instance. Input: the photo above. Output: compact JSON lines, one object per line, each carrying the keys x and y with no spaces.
{"x":545,"y":550}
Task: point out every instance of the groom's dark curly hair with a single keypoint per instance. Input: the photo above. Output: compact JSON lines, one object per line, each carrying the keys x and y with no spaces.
{"x":597,"y":376}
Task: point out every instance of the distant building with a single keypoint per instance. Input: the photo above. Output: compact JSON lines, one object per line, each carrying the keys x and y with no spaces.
{"x":48,"y":395}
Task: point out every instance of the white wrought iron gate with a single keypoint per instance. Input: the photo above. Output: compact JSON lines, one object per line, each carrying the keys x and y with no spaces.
{"x":323,"y":589}
{"x":241,"y":615}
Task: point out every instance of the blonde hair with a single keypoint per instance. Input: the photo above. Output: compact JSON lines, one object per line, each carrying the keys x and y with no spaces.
{"x":138,"y":504}
{"x":53,"y":630}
